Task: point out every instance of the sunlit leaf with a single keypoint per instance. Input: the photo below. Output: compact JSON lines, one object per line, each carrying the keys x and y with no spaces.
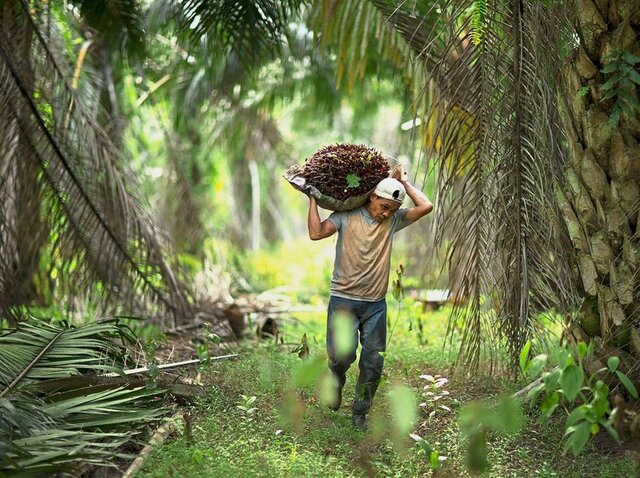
{"x":524,"y":355}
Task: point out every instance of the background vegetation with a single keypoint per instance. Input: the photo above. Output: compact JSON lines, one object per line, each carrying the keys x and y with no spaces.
{"x":143,"y":146}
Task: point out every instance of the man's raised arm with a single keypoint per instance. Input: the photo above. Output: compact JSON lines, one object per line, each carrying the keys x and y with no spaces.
{"x":318,"y":230}
{"x":422,"y":205}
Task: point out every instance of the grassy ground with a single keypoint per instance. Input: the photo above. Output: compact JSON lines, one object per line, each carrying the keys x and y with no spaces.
{"x":263,"y":416}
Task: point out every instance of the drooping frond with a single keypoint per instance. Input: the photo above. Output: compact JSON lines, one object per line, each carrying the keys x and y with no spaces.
{"x":119,"y":23}
{"x":493,"y":106}
{"x":362,"y":33}
{"x":250,"y":28}
{"x":98,"y":229}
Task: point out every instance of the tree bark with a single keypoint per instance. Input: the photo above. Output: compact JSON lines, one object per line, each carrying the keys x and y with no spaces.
{"x":601,"y":196}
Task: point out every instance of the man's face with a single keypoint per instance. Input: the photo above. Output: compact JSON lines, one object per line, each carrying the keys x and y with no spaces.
{"x":381,"y":208}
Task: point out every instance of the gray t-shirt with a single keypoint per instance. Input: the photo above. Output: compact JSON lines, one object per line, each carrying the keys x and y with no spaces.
{"x":363,"y":253}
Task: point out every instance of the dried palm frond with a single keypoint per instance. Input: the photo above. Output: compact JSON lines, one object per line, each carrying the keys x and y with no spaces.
{"x":494,"y":110}
{"x":83,"y":198}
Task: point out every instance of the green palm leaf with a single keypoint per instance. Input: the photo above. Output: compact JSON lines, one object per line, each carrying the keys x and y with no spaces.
{"x":57,"y":432}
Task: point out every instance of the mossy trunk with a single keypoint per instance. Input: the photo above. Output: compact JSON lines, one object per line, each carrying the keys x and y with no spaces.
{"x":602,"y":193}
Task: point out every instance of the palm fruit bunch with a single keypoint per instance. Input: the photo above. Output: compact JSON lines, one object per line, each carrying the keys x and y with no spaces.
{"x":343,"y":171}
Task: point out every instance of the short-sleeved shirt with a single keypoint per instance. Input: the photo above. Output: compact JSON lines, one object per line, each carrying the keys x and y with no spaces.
{"x":363,"y":253}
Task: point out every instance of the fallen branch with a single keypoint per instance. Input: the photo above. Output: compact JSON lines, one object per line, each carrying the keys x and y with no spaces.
{"x":525,"y":390}
{"x":167,"y":366}
{"x":161,"y":434}
{"x":534,"y":384}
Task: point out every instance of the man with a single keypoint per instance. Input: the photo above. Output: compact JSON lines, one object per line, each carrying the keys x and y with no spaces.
{"x":360,"y":281}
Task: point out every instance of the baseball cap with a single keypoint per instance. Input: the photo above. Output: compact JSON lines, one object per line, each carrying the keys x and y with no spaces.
{"x":392,"y":189}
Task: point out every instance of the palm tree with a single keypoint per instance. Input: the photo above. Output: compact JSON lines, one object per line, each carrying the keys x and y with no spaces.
{"x":82,"y":202}
{"x":534,"y":78}
{"x":509,"y":85}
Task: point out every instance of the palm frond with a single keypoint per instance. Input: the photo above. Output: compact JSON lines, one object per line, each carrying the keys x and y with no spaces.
{"x":120,"y":23}
{"x":499,"y":158}
{"x":250,"y":28}
{"x":43,"y":434}
{"x":38,"y":351}
{"x":89,"y":203}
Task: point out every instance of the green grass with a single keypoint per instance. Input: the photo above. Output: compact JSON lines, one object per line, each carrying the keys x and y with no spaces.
{"x":290,"y":433}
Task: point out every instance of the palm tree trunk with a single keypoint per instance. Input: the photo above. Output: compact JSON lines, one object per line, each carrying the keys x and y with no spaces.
{"x":602,"y":192}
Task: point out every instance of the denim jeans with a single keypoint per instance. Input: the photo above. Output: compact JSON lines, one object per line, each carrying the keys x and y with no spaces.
{"x":369,"y":319}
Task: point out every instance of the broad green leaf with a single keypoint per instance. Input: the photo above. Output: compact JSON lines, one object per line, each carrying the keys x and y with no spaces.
{"x":353,"y":181}
{"x":571,"y":380}
{"x":579,"y":437}
{"x":549,"y":404}
{"x":564,"y":358}
{"x":535,"y":366}
{"x":612,"y":431}
{"x":613,"y":363}
{"x":550,"y":379}
{"x":524,"y":355}
{"x":308,"y":372}
{"x":403,"y":409}
{"x":627,"y":384}
{"x":577,"y":414}
{"x":506,"y":417}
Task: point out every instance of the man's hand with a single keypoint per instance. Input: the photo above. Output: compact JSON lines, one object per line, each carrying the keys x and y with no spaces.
{"x":400,"y":174}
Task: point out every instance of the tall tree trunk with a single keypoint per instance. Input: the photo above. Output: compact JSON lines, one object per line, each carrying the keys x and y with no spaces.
{"x":602,"y":194}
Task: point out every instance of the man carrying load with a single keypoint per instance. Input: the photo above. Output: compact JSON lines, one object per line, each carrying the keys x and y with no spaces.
{"x":361,"y":278}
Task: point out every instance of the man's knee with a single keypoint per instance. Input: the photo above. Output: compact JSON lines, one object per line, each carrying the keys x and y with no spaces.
{"x":373,"y":360}
{"x":341,"y":361}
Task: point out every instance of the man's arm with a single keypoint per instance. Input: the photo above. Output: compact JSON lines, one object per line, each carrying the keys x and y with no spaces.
{"x":318,"y":230}
{"x":422,"y":205}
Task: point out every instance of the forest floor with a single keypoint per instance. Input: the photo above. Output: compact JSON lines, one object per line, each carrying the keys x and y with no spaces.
{"x":263,"y":416}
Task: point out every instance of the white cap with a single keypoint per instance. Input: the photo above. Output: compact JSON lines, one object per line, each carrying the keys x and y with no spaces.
{"x":392,"y":189}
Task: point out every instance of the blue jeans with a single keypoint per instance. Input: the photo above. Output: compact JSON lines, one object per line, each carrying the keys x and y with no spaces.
{"x":370,"y":320}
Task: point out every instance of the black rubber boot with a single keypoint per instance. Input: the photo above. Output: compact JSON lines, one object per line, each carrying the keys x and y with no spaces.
{"x":359,"y":421}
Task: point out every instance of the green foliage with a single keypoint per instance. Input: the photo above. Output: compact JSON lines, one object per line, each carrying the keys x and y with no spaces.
{"x":622,"y":80}
{"x":353,"y":181}
{"x":478,"y":21}
{"x":567,"y":383}
{"x":50,"y":432}
{"x":479,"y":419}
{"x":404,"y":408}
